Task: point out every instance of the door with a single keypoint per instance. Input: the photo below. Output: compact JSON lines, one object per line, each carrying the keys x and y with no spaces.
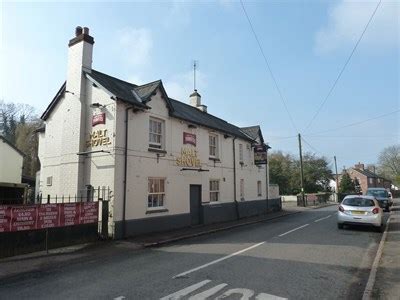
{"x":195,"y":204}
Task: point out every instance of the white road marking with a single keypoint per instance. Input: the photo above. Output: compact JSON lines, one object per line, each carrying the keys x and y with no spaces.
{"x":297,"y":228}
{"x":185,"y":291}
{"x":217,"y":260}
{"x":245,"y":293}
{"x":322,"y":219}
{"x":208,"y":293}
{"x":119,"y":298}
{"x":264,"y":296}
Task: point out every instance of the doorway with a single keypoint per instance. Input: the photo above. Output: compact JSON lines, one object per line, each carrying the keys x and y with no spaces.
{"x":195,"y":204}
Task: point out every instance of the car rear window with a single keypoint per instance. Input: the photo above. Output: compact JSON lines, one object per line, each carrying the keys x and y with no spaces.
{"x":378,"y":193}
{"x":358,"y":202}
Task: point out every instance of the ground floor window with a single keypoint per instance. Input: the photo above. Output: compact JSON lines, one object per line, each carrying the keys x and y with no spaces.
{"x":214,"y":190}
{"x":156,"y":192}
{"x":259,"y":193}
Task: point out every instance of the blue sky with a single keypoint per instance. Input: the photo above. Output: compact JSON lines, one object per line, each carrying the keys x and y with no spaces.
{"x":306,"y":43}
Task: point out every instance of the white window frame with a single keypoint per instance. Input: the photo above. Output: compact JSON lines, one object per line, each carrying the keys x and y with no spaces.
{"x":214,"y":188}
{"x":213,"y":148}
{"x":156,"y":129}
{"x":240,"y":153}
{"x":370,"y":180}
{"x":242,"y":189}
{"x":259,"y":188}
{"x":49,"y":181}
{"x":156,"y":194}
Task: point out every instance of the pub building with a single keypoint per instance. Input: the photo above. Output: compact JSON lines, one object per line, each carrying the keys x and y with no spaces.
{"x":168,"y":164}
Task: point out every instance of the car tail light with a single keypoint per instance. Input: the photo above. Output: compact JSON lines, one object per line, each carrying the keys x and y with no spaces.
{"x":375,"y":210}
{"x":341,"y":208}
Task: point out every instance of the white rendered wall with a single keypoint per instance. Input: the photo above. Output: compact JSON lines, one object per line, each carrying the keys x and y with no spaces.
{"x":143,"y":164}
{"x":10,"y":164}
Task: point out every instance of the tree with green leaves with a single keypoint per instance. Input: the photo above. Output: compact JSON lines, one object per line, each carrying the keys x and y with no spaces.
{"x":346,"y":185}
{"x":284,"y":170}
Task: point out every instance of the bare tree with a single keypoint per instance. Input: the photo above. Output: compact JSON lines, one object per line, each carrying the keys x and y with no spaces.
{"x":389,"y":163}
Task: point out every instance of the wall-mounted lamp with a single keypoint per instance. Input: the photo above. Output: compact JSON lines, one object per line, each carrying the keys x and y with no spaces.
{"x":96,"y":105}
{"x":192,"y":126}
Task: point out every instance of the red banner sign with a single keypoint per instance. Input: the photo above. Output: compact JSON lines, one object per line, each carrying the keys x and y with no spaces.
{"x":5,"y":217}
{"x":18,"y":218}
{"x":69,"y":214}
{"x":99,"y":119}
{"x":189,"y":138}
{"x":48,"y":216}
{"x":23,"y":218}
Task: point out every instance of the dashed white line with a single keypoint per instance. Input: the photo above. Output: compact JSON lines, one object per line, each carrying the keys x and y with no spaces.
{"x":322,"y":218}
{"x":297,"y":228}
{"x":217,"y":260}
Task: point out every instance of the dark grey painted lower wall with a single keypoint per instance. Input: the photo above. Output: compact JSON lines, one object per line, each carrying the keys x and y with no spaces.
{"x":210,"y":214}
{"x":153,"y":224}
{"x":221,"y":212}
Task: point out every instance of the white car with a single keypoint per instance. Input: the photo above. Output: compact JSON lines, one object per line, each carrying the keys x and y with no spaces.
{"x":360,"y":210}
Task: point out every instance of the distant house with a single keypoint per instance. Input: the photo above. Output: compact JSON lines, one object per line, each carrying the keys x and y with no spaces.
{"x":11,"y":189}
{"x":367,"y":178}
{"x":10,"y":162}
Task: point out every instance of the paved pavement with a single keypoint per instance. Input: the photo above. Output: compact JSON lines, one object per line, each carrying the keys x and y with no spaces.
{"x":387,"y":284}
{"x":300,"y":256}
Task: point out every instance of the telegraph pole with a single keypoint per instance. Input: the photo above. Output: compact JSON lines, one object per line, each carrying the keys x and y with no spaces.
{"x":301,"y":172}
{"x":337,"y":180}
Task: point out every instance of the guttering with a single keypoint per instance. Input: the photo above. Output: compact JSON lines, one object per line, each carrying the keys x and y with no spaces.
{"x":234,"y":178}
{"x":125,"y":172}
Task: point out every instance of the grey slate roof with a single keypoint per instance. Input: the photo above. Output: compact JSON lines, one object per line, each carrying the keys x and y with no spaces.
{"x":193,"y":115}
{"x":253,"y":131}
{"x":140,"y":95}
{"x":368,"y":173}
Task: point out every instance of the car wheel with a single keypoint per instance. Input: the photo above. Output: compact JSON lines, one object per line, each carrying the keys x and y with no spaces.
{"x":380,"y":228}
{"x":340,"y":226}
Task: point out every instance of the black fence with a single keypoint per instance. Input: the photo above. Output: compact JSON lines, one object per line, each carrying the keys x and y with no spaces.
{"x":22,"y":242}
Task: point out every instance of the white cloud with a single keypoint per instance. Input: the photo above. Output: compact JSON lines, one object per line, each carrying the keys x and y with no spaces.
{"x":135,"y":44}
{"x":347,"y":20}
{"x":180,"y":86}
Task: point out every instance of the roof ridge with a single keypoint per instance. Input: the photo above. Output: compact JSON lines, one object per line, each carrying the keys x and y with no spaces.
{"x":135,"y":85}
{"x":204,"y":112}
{"x":149,"y":83}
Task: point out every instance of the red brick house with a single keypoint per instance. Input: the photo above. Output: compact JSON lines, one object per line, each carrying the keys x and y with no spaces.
{"x":367,"y":178}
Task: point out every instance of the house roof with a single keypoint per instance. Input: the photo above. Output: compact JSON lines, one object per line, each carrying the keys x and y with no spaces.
{"x":368,"y":173}
{"x":139,"y":95}
{"x":254,"y":132}
{"x":11,"y":145}
{"x":54,"y":102}
{"x":194,"y":115}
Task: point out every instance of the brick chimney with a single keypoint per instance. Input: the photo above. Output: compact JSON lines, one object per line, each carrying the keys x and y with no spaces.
{"x":359,"y":166}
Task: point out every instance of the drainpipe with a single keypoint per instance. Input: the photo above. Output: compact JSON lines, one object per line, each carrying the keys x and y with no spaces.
{"x":125,"y":172}
{"x":234,"y":178}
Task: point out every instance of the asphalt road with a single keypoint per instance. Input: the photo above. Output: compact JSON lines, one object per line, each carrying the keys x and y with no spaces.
{"x":302,"y":256}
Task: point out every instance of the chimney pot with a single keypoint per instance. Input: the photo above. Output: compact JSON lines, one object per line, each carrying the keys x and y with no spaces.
{"x":86,"y":30}
{"x":78,"y":31}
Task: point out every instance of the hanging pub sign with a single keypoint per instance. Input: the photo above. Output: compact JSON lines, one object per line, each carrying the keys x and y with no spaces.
{"x":189,"y":138}
{"x":260,"y":154}
{"x":98,"y":138}
{"x":188,"y":158}
{"x":98,"y":119}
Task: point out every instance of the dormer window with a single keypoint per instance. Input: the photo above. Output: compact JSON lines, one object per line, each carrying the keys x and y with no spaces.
{"x":156,"y":133}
